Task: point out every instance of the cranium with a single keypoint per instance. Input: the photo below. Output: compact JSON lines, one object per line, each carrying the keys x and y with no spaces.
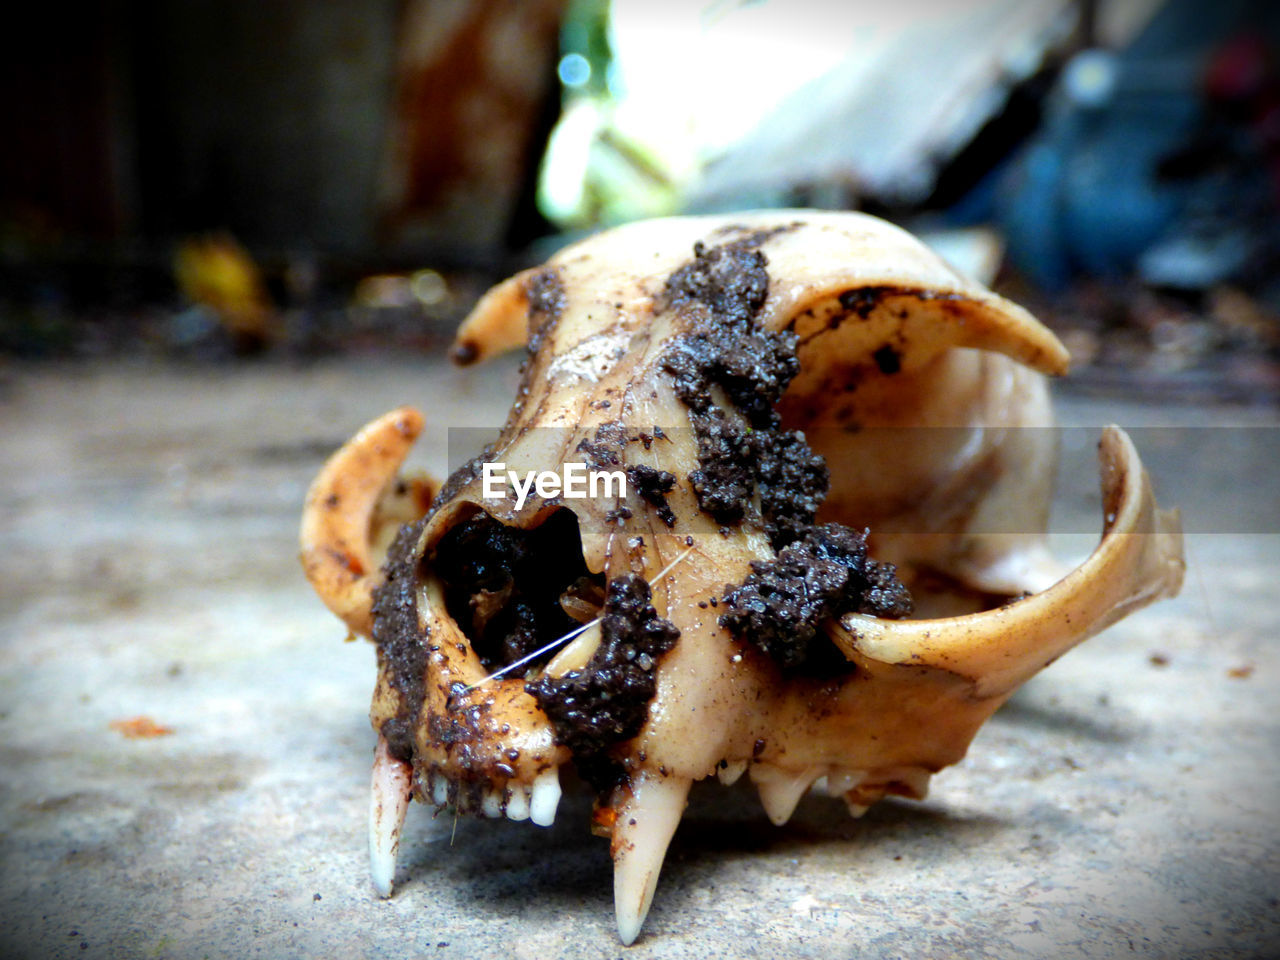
{"x":718,"y":618}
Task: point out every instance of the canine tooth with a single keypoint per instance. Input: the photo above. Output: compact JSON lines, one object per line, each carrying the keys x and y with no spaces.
{"x":781,"y":790}
{"x":646,"y":823}
{"x":545,"y":797}
{"x":517,"y":802}
{"x":731,"y":771}
{"x":388,"y":802}
{"x":491,"y":803}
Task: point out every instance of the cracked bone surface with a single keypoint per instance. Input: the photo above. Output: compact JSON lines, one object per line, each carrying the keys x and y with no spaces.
{"x":690,"y":353}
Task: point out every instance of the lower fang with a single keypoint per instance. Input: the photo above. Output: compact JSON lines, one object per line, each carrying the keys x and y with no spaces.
{"x":545,"y":797}
{"x":388,"y":802}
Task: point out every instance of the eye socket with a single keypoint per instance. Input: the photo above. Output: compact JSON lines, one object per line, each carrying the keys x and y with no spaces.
{"x":513,"y":590}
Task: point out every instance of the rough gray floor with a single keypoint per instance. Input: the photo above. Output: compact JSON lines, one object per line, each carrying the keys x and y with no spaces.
{"x":1116,"y":807}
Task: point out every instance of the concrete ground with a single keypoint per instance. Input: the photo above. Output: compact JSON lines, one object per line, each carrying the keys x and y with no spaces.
{"x":1124,"y":803}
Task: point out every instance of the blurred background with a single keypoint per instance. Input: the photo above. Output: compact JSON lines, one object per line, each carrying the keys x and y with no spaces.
{"x":219,"y":179}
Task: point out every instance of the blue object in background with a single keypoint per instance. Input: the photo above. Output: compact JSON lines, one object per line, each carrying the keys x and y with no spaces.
{"x":1087,"y":195}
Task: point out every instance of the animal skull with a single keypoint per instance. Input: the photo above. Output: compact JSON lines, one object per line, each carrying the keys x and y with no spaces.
{"x":717,"y":651}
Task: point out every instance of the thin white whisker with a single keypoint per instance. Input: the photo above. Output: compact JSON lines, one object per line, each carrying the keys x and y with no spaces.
{"x":562,"y":640}
{"x":670,"y":566}
{"x":537,"y":653}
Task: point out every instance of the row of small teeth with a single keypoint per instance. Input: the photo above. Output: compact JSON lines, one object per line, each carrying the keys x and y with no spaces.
{"x":646,"y":821}
{"x":391,"y":788}
{"x":536,"y":801}
{"x":780,"y":790}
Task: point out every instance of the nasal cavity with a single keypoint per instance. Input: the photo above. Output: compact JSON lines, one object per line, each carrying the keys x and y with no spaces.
{"x":513,"y":591}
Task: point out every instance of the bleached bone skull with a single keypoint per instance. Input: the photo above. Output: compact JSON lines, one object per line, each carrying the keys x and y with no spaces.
{"x":708,"y":622}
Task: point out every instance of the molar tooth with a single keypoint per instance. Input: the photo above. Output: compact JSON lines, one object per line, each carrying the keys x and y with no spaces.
{"x":780,"y":790}
{"x":917,"y":778}
{"x":841,"y":781}
{"x":517,"y":801}
{"x":646,"y":822}
{"x":388,"y":803}
{"x":731,"y":771}
{"x":545,"y":797}
{"x":857,"y":798}
{"x":439,"y":789}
